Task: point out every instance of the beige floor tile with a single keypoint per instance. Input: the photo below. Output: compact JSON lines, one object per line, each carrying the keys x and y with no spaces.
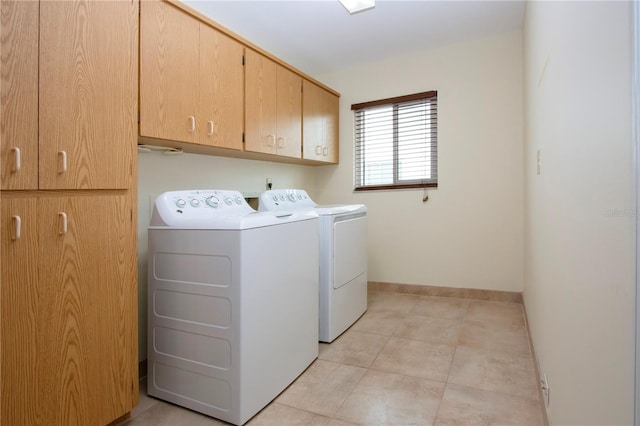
{"x":391,"y":399}
{"x":512,"y":374}
{"x":415,"y":358}
{"x":384,"y":323}
{"x":400,"y":303}
{"x":510,"y":338}
{"x":354,"y":348}
{"x":467,"y":406}
{"x":336,"y":422}
{"x":165,"y":414}
{"x":438,"y":307}
{"x":432,"y":330}
{"x":322,"y":388}
{"x":278,"y":414}
{"x":495,"y":313}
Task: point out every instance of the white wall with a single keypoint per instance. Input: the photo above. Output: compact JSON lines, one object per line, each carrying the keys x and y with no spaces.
{"x":158,"y":173}
{"x":579,"y":247}
{"x":470,"y":232}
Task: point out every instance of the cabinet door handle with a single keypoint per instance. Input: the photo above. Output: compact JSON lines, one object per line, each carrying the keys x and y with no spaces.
{"x":192,"y":124}
{"x":325,"y":151}
{"x":17,"y":163}
{"x":271,"y":140}
{"x":63,"y":161}
{"x":281,"y":142}
{"x":17,"y":221}
{"x":63,"y":228}
{"x":318,"y":150}
{"x":211,"y":128}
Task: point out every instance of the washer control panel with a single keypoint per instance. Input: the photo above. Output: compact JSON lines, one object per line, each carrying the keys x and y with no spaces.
{"x":285,"y":199}
{"x":199,"y":204}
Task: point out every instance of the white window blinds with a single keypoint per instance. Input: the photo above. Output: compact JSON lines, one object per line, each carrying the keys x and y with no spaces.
{"x":396,"y":142}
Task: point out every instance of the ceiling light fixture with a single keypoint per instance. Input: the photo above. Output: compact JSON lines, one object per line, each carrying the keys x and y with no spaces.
{"x":355,"y":6}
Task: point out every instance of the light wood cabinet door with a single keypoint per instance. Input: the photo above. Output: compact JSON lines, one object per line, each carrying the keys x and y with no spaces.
{"x":69,"y":310}
{"x":88,"y":94}
{"x":169,"y":64}
{"x":19,"y":94}
{"x":21,"y":314}
{"x":260,"y":103}
{"x":312,"y":121}
{"x":289,"y":112}
{"x":221,"y":95}
{"x":191,"y":79}
{"x":273,"y":107}
{"x":89,"y":349}
{"x":320,"y":123}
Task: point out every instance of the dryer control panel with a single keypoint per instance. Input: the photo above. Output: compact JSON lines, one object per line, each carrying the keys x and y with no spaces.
{"x":285,"y":199}
{"x":198,"y":204}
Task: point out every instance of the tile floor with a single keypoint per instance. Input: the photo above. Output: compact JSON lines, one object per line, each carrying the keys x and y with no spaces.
{"x":410,"y":360}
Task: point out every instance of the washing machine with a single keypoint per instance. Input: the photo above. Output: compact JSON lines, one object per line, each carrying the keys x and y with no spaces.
{"x":343,"y":257}
{"x":232,"y":302}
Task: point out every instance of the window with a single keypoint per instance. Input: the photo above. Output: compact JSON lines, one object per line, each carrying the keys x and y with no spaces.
{"x":396,"y":142}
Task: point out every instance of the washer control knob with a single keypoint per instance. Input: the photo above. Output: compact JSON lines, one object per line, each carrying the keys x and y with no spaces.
{"x":282,"y":197}
{"x":275,"y":197}
{"x":195,"y":202}
{"x":292,"y":197}
{"x":228,"y":201}
{"x":238,"y":200}
{"x":299,"y":196}
{"x":181,"y":203}
{"x":213,"y":202}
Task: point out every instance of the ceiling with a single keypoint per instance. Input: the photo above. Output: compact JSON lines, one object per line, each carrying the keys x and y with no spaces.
{"x":319,"y":36}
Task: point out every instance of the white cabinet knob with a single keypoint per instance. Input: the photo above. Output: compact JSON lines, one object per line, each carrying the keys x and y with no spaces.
{"x":63,"y":227}
{"x":18,"y":227}
{"x":63,"y":161}
{"x":16,"y":159}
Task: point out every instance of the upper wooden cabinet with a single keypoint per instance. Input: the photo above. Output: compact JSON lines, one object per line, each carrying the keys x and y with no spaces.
{"x":19,"y":87}
{"x":191,"y":79}
{"x":320,"y":123}
{"x":273,"y":107}
{"x":69,"y":94}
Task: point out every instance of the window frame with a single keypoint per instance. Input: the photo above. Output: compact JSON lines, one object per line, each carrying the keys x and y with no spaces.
{"x":394,"y":102}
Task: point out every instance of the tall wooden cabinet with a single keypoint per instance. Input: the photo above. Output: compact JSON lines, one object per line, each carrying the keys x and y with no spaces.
{"x":273,"y":107}
{"x":319,"y":123}
{"x":191,"y":79}
{"x":68,"y":293}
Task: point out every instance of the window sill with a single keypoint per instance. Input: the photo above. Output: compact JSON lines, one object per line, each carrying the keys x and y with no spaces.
{"x":396,"y":186}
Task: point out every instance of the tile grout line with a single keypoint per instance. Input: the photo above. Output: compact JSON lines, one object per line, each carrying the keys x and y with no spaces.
{"x":435,"y":419}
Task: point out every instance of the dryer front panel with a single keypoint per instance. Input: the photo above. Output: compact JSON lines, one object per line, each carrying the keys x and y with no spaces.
{"x":349,"y":249}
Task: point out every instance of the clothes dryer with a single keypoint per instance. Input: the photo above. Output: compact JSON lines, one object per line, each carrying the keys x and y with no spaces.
{"x":343,"y":257}
{"x":232,"y":302}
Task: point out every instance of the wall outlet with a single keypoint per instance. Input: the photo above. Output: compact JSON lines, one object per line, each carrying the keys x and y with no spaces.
{"x":544,"y":385}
